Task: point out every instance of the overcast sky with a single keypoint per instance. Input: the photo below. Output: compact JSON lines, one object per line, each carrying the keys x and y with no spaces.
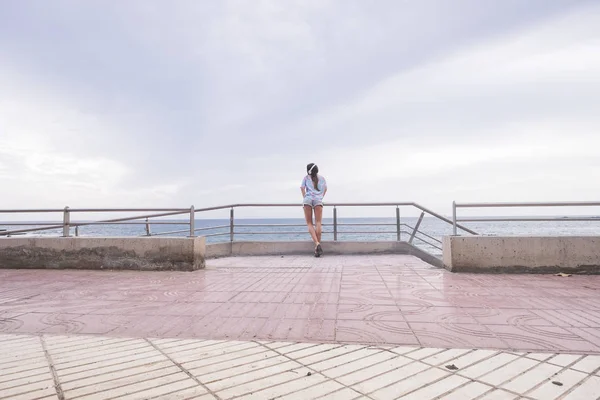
{"x":170,"y":103}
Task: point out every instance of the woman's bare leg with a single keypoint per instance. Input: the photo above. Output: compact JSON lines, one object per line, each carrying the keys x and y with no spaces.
{"x":318,"y":222}
{"x":309,"y":223}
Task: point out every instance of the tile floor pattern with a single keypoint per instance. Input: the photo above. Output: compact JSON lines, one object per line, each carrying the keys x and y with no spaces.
{"x":387,"y":299}
{"x":94,"y":367}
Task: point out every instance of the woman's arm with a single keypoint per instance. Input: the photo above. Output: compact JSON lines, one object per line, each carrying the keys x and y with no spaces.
{"x":303,"y":190}
{"x":325,"y":191}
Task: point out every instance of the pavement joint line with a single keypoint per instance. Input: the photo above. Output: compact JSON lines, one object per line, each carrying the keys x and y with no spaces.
{"x":563,"y":369}
{"x":188,"y":373}
{"x":42,"y":371}
{"x":91,"y":361}
{"x":4,"y":385}
{"x":66,"y":375}
{"x":106,"y":351}
{"x":82,"y":347}
{"x":169,"y":343}
{"x":109,"y":369}
{"x":129,"y":384}
{"x":212,"y":359}
{"x":580,"y":383}
{"x":215,"y":347}
{"x":236,"y":366}
{"x":294,"y":369}
{"x":314,"y":371}
{"x":57,"y":387}
{"x":68,"y":343}
{"x":233,"y":376}
{"x":118,"y":377}
{"x":142,"y":389}
{"x":419,"y":343}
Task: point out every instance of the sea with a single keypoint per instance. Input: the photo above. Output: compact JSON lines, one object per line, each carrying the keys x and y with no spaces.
{"x":431,"y":230}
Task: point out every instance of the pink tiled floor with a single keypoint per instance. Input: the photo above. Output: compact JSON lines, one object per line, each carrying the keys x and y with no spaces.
{"x":354,"y":299}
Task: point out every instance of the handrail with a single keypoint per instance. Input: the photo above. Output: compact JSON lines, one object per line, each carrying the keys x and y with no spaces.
{"x":456,"y":220}
{"x":150,"y":214}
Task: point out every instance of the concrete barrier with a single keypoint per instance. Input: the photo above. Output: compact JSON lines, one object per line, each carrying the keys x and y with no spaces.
{"x":307,"y":248}
{"x":151,"y":253}
{"x":529,"y":254}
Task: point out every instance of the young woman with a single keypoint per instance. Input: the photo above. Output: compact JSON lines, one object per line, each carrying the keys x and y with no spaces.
{"x":313,"y":190}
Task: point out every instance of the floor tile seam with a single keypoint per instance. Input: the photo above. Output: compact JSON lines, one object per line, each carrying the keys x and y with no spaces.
{"x":580,"y":383}
{"x":589,"y":323}
{"x":572,"y":363}
{"x":518,"y":357}
{"x":315,"y":347}
{"x":14,"y":369}
{"x":104,"y":376}
{"x":314,"y":371}
{"x":195,"y":370}
{"x":596,"y":319}
{"x":134,"y":383}
{"x":75,"y":343}
{"x":331,"y":392}
{"x":190,"y":375}
{"x":42,"y":377}
{"x":90,"y":366}
{"x":449,"y":361}
{"x":187,"y":365}
{"x":560,"y":317}
{"x":399,"y":310}
{"x":53,"y":373}
{"x":204,"y":343}
{"x":101,"y":357}
{"x":405,"y":378}
{"x":16,"y":338}
{"x":28,"y":392}
{"x":562,"y":370}
{"x":328,"y":370}
{"x":42,"y":370}
{"x":377,"y":351}
{"x":108,"y":381}
{"x":191,"y":397}
{"x":289,"y":367}
{"x":110,"y":369}
{"x":16,"y":357}
{"x":98,"y":350}
{"x":563,"y":350}
{"x":237,"y":345}
{"x":538,"y":364}
{"x":71,"y":341}
{"x":20,"y":299}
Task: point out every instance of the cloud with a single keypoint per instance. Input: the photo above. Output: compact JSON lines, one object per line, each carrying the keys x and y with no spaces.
{"x":107,"y":103}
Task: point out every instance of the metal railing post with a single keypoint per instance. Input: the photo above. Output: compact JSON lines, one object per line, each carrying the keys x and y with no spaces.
{"x":76,"y":230}
{"x":398,"y":230}
{"x":66,"y":222}
{"x":148,"y":228}
{"x":416,"y":228}
{"x":231,"y":216}
{"x":335,"y":232}
{"x":454,"y":229}
{"x":192,"y":221}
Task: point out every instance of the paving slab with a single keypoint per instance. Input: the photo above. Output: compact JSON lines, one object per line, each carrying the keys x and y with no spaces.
{"x":377,"y":300}
{"x":94,"y":367}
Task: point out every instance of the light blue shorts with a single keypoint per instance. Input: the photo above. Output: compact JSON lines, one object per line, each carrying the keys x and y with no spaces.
{"x":312,"y":202}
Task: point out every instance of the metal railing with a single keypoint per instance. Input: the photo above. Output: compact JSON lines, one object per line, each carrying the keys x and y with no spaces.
{"x":335,"y":228}
{"x":456,"y":220}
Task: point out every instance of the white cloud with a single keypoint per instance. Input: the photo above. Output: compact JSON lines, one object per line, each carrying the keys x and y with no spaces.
{"x":218,"y":103}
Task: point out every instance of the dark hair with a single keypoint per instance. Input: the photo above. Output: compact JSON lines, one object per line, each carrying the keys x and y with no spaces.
{"x":313,"y":170}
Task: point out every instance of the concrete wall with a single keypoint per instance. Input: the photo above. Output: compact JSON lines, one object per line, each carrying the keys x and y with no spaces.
{"x":532,"y":254}
{"x":146,"y":253}
{"x":307,"y":248}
